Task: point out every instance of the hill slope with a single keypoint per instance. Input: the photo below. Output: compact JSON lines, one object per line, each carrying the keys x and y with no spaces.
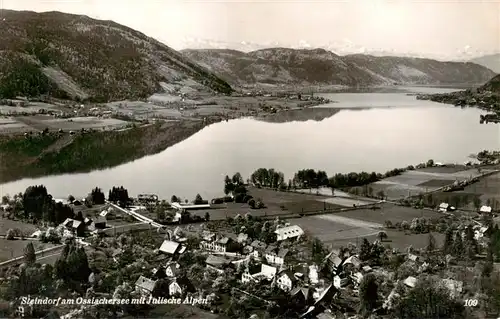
{"x":492,"y":62}
{"x":72,"y":55}
{"x":318,"y":66}
{"x":492,"y":85}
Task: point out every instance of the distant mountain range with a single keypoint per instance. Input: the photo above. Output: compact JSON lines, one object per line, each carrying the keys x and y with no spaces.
{"x":491,"y":61}
{"x":285,"y":66}
{"x":74,"y":56}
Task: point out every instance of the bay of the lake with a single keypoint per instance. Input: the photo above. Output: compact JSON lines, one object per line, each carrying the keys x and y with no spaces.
{"x":370,"y":132}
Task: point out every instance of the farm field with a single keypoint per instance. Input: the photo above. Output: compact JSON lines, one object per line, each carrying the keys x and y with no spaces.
{"x":15,"y":248}
{"x":349,"y":202}
{"x":422,"y":180}
{"x":21,"y":124}
{"x":330,"y":229}
{"x":388,"y":211}
{"x":277,"y":203}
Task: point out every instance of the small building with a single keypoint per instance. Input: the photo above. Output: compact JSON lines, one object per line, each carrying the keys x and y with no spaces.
{"x":170,"y":247}
{"x":410,"y":281}
{"x":286,"y":280}
{"x":180,"y":286}
{"x":172,"y":269}
{"x":74,"y":226}
{"x":353,"y":261}
{"x":100,"y":222}
{"x":485,"y":210}
{"x":332,"y":262}
{"x":288,"y":232}
{"x":145,"y":285}
{"x":259,"y":248}
{"x":445,"y":207}
{"x":340,"y":281}
{"x":276,"y":256}
{"x":185,"y":207}
{"x":222,"y":244}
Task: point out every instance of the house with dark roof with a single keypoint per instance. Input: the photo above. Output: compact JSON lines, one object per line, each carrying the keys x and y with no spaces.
{"x":276,"y":256}
{"x":221,"y":244}
{"x":301,"y":294}
{"x":332,"y":263}
{"x":172,"y":269}
{"x":74,"y":226}
{"x":286,"y":280}
{"x":145,"y":285}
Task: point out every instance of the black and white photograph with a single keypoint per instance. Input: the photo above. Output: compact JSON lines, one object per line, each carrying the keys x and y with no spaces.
{"x":250,"y":159}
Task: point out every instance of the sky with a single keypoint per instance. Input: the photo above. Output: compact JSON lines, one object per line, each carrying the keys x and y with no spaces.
{"x":439,"y":27}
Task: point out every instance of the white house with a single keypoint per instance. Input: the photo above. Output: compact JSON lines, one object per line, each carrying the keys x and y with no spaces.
{"x":266,"y":272}
{"x":179,"y":286}
{"x":485,"y":210}
{"x":284,"y":233}
{"x":275,"y":256}
{"x":170,"y":247}
{"x":340,"y":282}
{"x":286,"y":280}
{"x":410,"y":281}
{"x":219,"y":245}
{"x":172,"y":269}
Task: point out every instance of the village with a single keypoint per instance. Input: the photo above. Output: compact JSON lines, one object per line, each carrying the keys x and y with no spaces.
{"x":306,"y":255}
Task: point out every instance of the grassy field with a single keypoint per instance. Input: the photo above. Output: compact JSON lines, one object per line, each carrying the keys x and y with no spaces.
{"x":277,"y":203}
{"x":6,"y":224}
{"x":387,"y":211}
{"x":15,"y":248}
{"x":488,"y":187}
{"x":337,"y":232}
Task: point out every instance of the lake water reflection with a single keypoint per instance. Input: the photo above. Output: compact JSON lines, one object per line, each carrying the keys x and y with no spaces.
{"x":370,"y":131}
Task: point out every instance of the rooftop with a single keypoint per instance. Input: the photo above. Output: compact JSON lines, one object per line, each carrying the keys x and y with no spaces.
{"x":169,"y":247}
{"x":145,"y":283}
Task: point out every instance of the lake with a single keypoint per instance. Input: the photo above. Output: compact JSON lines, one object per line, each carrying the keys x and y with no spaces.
{"x":367,"y":131}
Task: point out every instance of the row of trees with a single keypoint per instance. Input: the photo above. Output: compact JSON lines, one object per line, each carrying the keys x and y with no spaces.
{"x":119,"y":195}
{"x":309,"y":178}
{"x":268,"y":178}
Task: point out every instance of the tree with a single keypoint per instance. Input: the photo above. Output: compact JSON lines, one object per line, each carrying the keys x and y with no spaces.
{"x":251,"y":203}
{"x":458,"y":245}
{"x":29,"y":254}
{"x":71,"y":199}
{"x":428,"y":300}
{"x":430,"y":163}
{"x":382,"y":235}
{"x":98,"y":197}
{"x":368,"y":293}
{"x":365,"y":250}
{"x":11,"y":234}
{"x":198,"y":199}
{"x":207,"y":216}
{"x":431,"y":243}
{"x":448,"y":241}
{"x":174,"y":199}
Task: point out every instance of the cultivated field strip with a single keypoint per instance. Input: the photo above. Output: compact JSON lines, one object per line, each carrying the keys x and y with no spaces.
{"x":349,"y":221}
